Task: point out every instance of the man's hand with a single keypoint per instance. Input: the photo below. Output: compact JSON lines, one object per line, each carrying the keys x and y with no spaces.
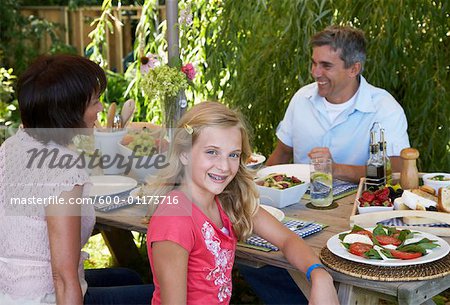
{"x":320,"y":152}
{"x":344,"y":172}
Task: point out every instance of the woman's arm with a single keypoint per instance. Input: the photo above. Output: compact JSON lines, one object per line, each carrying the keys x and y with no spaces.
{"x":170,"y":262}
{"x":64,"y":222}
{"x":299,"y":254}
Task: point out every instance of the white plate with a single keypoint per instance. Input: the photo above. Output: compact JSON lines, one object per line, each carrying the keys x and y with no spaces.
{"x":259,"y":160}
{"x":278,"y":214}
{"x":110,"y":185}
{"x":335,"y":246}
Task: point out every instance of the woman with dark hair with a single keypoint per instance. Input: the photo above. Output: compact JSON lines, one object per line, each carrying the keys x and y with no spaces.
{"x":44,"y":221}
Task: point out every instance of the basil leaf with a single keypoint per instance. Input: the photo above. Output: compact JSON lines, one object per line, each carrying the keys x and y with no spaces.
{"x":391,"y":231}
{"x":346,"y":245}
{"x":412,"y":248}
{"x":405,"y":234}
{"x":424,"y":243}
{"x":429,"y":245}
{"x":356,"y":228}
{"x":372,"y":254}
{"x":387,"y":253}
{"x":375,"y":241}
{"x":342,"y":236}
{"x":379,"y":230}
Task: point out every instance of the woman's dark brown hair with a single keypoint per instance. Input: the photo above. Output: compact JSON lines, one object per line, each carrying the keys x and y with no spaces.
{"x":54,"y":92}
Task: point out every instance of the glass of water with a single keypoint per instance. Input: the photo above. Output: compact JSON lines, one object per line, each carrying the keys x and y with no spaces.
{"x":321,"y":186}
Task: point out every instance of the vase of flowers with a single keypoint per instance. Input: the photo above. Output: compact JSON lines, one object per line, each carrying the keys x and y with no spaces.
{"x":166,"y":84}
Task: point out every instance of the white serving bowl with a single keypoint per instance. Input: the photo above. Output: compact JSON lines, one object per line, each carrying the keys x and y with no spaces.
{"x":282,"y":198}
{"x":372,"y":209}
{"x":435,"y":183}
{"x":141,"y":173}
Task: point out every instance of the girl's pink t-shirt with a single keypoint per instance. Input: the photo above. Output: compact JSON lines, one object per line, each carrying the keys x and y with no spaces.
{"x":211,"y":251}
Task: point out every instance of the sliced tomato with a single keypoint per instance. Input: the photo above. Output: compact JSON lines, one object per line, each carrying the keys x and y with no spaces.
{"x":364,"y":232}
{"x":388,"y":240}
{"x":359,"y":248}
{"x":405,"y":255}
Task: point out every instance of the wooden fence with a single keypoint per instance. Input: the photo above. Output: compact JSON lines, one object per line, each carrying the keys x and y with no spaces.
{"x":76,"y":26}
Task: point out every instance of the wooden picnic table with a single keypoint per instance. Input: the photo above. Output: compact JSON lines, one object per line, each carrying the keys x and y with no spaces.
{"x":116,"y":227}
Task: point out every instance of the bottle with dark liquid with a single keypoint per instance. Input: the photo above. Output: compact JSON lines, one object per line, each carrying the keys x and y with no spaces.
{"x":386,"y":161}
{"x":375,"y":171}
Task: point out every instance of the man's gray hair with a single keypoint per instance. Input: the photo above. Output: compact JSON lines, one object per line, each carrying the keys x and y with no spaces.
{"x":350,"y":41}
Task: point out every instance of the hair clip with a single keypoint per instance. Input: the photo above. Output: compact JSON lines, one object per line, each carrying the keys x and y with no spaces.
{"x":188,"y":129}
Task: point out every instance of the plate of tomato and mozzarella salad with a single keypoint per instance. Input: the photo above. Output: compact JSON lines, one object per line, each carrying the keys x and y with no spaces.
{"x":388,"y":246}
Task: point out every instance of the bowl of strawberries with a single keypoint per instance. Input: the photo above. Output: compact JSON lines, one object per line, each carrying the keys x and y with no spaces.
{"x":375,"y":201}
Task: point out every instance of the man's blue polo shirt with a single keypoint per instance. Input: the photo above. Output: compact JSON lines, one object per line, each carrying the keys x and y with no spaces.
{"x":306,"y":125}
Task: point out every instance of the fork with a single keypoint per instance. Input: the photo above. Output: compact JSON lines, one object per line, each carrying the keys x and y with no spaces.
{"x":302,"y":226}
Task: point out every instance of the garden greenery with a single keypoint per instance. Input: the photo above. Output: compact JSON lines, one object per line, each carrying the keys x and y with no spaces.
{"x":254,"y":55}
{"x":260,"y":56}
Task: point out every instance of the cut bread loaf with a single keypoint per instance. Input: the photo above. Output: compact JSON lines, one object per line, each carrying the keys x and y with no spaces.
{"x":444,"y":200}
{"x":424,"y":194}
{"x":428,"y":189}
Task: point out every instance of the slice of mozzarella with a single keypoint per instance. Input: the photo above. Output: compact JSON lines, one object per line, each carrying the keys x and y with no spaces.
{"x":391,"y":247}
{"x":412,"y":200}
{"x":357,"y":238}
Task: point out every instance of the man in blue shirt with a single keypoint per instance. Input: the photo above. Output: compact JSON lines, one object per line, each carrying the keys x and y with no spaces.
{"x":331,"y":118}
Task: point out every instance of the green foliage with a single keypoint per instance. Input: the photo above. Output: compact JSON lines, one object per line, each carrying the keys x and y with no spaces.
{"x":261,"y":58}
{"x":194,"y":42}
{"x":410,"y":59}
{"x":163,"y":81}
{"x":8,"y":105}
{"x":20,"y":37}
{"x":254,"y":55}
{"x":99,"y":255}
{"x":97,"y":47}
{"x":9,"y":114}
{"x":258,"y":56}
{"x":70,"y":3}
{"x":6,"y":84}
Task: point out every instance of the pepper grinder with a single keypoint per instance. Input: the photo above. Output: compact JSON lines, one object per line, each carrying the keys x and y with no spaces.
{"x":409,"y":177}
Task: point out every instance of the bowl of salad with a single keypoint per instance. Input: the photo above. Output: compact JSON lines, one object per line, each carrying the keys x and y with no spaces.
{"x":282,"y":185}
{"x":146,"y":150}
{"x":436,"y":180}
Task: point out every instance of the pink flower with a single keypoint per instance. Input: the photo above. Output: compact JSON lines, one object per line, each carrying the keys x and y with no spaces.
{"x":189,"y":70}
{"x":186,"y":17}
{"x":148,"y":62}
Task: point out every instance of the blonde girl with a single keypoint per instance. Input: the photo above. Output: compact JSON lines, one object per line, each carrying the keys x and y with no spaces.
{"x":208,"y":201}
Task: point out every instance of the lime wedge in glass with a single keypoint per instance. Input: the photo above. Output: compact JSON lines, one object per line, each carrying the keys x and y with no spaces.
{"x":322,"y":178}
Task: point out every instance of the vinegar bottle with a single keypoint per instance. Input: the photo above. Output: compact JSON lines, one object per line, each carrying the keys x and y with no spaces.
{"x":386,"y":160}
{"x":375,"y":176}
{"x":409,"y":176}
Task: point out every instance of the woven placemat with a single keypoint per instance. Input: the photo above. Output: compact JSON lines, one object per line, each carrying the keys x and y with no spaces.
{"x":427,"y":271}
{"x":334,"y":205}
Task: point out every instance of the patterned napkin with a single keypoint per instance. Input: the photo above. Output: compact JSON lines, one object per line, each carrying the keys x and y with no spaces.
{"x":340,"y":189}
{"x":300,"y":227}
{"x":398,"y":222}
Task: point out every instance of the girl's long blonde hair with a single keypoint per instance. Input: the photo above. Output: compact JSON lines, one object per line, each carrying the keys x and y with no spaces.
{"x":240,"y":198}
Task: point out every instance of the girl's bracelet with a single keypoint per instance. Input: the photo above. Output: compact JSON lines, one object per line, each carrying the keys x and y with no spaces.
{"x":311,"y":268}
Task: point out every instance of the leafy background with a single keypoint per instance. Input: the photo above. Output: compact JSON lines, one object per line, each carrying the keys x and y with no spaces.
{"x":254,"y":55}
{"x":263,"y":47}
